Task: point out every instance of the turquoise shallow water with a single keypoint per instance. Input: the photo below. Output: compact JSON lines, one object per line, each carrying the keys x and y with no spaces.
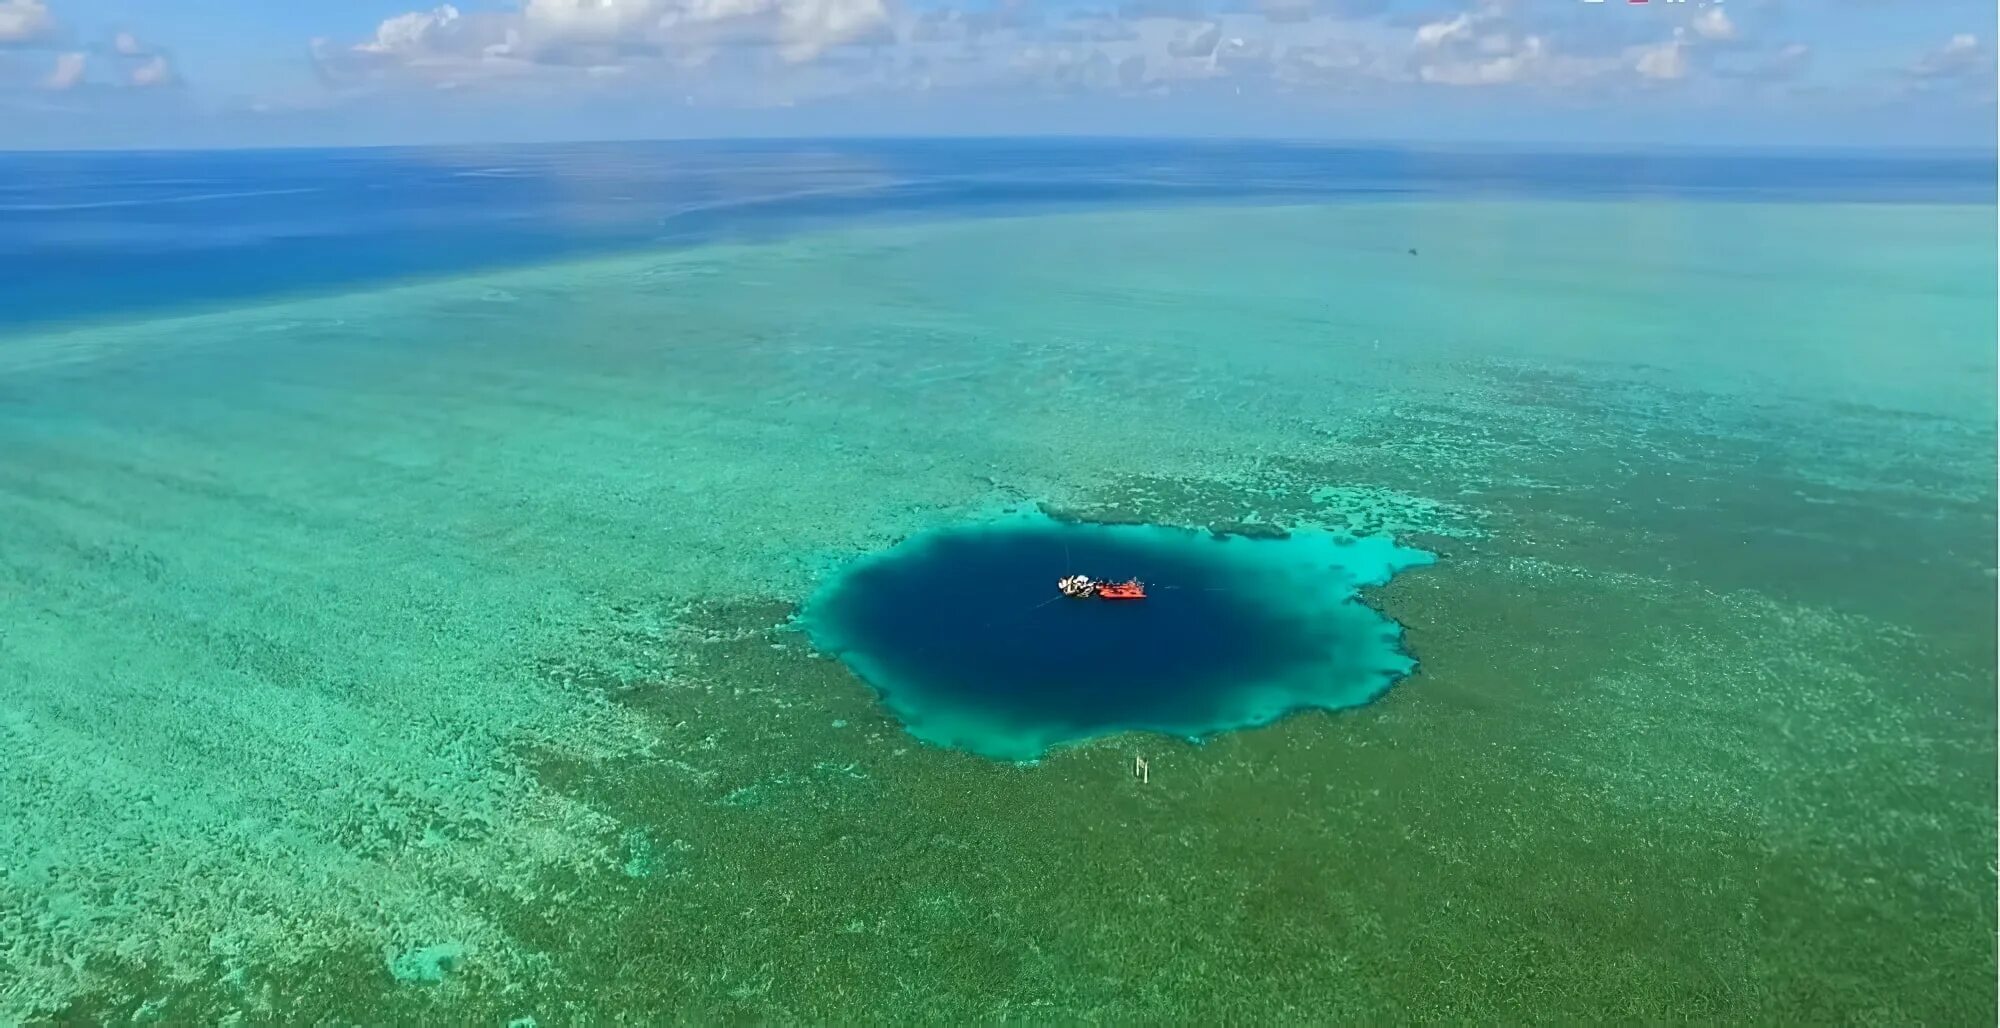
{"x":345,"y":635}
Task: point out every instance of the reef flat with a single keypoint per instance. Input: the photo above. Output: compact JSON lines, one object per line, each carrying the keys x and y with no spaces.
{"x":429,"y":652}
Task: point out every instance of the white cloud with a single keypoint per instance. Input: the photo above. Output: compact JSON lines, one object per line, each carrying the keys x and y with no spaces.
{"x":807,"y":27}
{"x":1959,"y":55}
{"x":776,"y":52}
{"x":1137,"y":54}
{"x":1494,"y":45}
{"x":1438,"y":33}
{"x":798,"y":29}
{"x":153,"y":71}
{"x":413,"y":33}
{"x":1502,"y":60}
{"x":1343,"y":59}
{"x":1196,"y":41}
{"x":1713,"y":24}
{"x":1238,"y":52}
{"x":1498,"y":43}
{"x":1661,"y":61}
{"x":445,"y":44}
{"x":593,"y":21}
{"x":122,"y":60}
{"x":1492,"y":71}
{"x":25,"y":21}
{"x":1790,"y":60}
{"x":68,"y":72}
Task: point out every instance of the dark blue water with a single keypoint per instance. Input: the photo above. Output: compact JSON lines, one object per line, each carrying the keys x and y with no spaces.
{"x":977,"y":614}
{"x":85,"y":235}
{"x":966,"y":638}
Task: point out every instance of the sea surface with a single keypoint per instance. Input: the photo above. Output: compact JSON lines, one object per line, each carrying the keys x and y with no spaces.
{"x":400,"y":553}
{"x":91,"y":234}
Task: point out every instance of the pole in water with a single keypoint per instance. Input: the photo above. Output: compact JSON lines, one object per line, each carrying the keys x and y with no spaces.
{"x":1142,"y":770}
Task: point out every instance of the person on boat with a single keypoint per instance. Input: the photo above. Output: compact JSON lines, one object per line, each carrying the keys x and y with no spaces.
{"x":1077,"y":586}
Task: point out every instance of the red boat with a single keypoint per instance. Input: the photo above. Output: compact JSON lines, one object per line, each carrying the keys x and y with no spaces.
{"x":1130,"y":589}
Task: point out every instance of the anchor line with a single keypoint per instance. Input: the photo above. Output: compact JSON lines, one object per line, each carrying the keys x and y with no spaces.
{"x":994,"y":620}
{"x":997,"y":618}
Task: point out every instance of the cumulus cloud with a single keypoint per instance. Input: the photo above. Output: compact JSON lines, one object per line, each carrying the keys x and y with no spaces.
{"x":444,"y":43}
{"x":1662,"y":61}
{"x":1436,"y":34}
{"x":1713,"y":24}
{"x":775,"y":52}
{"x":152,"y":72}
{"x":1504,"y":43}
{"x":114,"y":60}
{"x":1138,"y":54}
{"x":1960,"y":55}
{"x":1489,"y":46}
{"x":770,"y":51}
{"x":1248,"y":56}
{"x":412,"y":33}
{"x":806,"y":27}
{"x":26,"y":21}
{"x":68,"y":72}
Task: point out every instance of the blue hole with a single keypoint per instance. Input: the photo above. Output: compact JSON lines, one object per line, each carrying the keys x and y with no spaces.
{"x":964,"y":635}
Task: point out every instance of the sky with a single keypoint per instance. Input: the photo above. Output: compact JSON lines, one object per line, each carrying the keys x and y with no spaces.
{"x":164,"y":73}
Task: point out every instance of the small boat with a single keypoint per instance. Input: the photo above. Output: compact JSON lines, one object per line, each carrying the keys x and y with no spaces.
{"x":1130,"y":589}
{"x":1081,"y":587}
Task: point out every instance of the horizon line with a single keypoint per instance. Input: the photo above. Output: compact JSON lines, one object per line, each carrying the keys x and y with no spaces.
{"x":1988,"y":153}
